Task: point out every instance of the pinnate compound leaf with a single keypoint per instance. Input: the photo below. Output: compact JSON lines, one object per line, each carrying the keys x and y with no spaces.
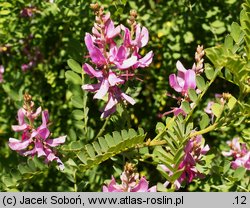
{"x":108,"y":146}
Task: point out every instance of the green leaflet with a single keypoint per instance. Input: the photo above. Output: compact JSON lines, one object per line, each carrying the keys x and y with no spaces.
{"x":75,"y":66}
{"x":93,"y":154}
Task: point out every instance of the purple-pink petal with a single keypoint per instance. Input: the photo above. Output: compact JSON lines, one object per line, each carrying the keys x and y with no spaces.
{"x":94,"y":52}
{"x":142,"y":186}
{"x":128,"y":98}
{"x":180,"y":67}
{"x":39,"y":149}
{"x":190,"y":81}
{"x":92,"y":72}
{"x":146,"y":60}
{"x":37,"y":113}
{"x":102,"y":91}
{"x":107,"y":113}
{"x":18,"y":128}
{"x":57,"y":141}
{"x":141,"y":36}
{"x":113,"y":79}
{"x":15,"y":144}
{"x":128,"y":63}
{"x":91,"y":87}
{"x":111,"y":30}
{"x":20,"y":115}
{"x":174,"y":84}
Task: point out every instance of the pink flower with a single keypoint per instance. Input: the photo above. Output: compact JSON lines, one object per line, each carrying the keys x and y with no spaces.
{"x":35,"y":141}
{"x":95,"y":53}
{"x":184,"y":80}
{"x":116,"y":57}
{"x":240,"y":153}
{"x":141,"y":186}
{"x":1,"y":73}
{"x":141,"y":37}
{"x":176,"y":112}
{"x":107,"y":85}
{"x":194,"y":152}
{"x":28,"y":11}
{"x":130,"y":182}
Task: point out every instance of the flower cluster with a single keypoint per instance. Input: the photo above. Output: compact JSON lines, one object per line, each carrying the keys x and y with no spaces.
{"x":240,"y":154}
{"x":35,"y":141}
{"x":114,"y":52}
{"x":130,"y":182}
{"x":33,"y":54}
{"x":185,"y":80}
{"x":1,"y":73}
{"x":194,"y":152}
{"x":28,"y":12}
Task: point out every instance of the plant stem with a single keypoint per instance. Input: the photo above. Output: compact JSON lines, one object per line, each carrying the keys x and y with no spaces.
{"x":103,"y":128}
{"x":155,"y":142}
{"x":204,"y":131}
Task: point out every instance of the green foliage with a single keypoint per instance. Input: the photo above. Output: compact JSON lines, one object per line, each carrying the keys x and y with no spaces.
{"x":231,"y":56}
{"x":172,"y":154}
{"x":105,"y":147}
{"x":56,"y":32}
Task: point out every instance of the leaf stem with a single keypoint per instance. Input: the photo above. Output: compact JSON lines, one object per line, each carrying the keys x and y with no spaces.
{"x":103,"y":128}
